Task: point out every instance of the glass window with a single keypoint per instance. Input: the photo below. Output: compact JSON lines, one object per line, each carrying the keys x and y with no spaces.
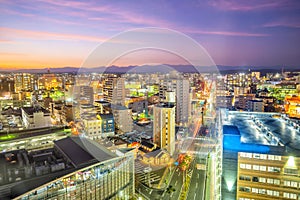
{"x":262,"y":191}
{"x":270,"y":181}
{"x":262,"y":168}
{"x":287,"y":183}
{"x":271,"y":157}
{"x":277,"y":157}
{"x":270,"y":192}
{"x":255,"y":167}
{"x":254,"y":190}
{"x":263,"y":156}
{"x":276,"y":181}
{"x":262,"y":180}
{"x":256,"y":155}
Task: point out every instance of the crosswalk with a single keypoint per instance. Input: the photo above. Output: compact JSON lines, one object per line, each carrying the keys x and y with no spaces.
{"x":144,"y":177}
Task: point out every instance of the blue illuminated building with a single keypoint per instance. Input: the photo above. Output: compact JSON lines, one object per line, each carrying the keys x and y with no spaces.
{"x":232,"y":145}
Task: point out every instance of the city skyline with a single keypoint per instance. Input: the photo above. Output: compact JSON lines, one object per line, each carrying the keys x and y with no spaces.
{"x":236,"y":33}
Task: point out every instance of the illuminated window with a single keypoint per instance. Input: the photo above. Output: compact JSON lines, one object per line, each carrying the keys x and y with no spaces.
{"x":270,"y":181}
{"x":263,"y":156}
{"x":255,"y":167}
{"x":262,"y":168}
{"x":255,"y":190}
{"x":277,"y":157}
{"x":276,"y":181}
{"x":262,"y":180}
{"x":262,"y":191}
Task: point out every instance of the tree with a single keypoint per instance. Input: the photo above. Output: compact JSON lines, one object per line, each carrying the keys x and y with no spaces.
{"x":170,"y":190}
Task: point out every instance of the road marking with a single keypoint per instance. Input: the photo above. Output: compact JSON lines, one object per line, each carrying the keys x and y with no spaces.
{"x":176,"y":182}
{"x":196,"y":185}
{"x":177,"y":170}
{"x":150,"y":192}
{"x":197,"y":175}
{"x":195,"y":196}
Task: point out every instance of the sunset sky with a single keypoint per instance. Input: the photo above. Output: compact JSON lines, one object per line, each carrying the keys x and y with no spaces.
{"x":52,"y":33}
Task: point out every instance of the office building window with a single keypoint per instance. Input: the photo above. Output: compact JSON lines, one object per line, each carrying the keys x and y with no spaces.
{"x":262,"y":168}
{"x":255,"y":167}
{"x":255,"y":190}
{"x":262,"y":180}
{"x":245,"y":189}
{"x":278,"y":158}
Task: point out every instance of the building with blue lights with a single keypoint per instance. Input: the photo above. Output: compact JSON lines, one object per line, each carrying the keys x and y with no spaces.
{"x":255,"y":171}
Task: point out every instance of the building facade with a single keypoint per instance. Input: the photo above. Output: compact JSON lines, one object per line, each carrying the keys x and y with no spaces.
{"x":109,"y":179}
{"x":164,"y":127}
{"x":35,"y":117}
{"x":267,"y":176}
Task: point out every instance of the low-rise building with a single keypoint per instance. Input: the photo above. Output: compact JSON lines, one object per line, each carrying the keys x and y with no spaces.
{"x":255,"y":105}
{"x":34,"y":117}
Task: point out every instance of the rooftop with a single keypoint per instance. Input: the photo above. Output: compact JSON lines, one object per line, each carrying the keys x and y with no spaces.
{"x":81,"y":151}
{"x":230,"y":130}
{"x":31,"y":110}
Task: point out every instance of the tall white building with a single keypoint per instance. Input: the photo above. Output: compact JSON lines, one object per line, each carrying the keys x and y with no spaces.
{"x":180,"y":88}
{"x":164,"y":127}
{"x":183,"y":103}
{"x":114,"y":90}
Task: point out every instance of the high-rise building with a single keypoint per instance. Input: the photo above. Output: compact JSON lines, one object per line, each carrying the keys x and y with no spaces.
{"x":183,"y":104}
{"x":164,"y":126}
{"x":256,"y":171}
{"x":268,"y":176}
{"x":87,"y":94}
{"x":114,"y":90}
{"x":180,"y":89}
{"x":24,"y":82}
{"x":7,"y":84}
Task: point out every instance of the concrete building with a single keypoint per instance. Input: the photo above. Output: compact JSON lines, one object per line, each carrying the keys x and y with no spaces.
{"x":114,"y":90}
{"x":242,"y":102}
{"x":96,"y":174}
{"x":255,"y":105}
{"x":34,"y":117}
{"x":256,"y":171}
{"x":123,"y":119}
{"x":87,"y":94}
{"x":164,"y":127}
{"x":98,"y":126}
{"x":24,"y":82}
{"x":292,"y":106}
{"x":183,"y":102}
{"x":267,"y":176}
{"x":177,"y":91}
{"x":224,"y":102}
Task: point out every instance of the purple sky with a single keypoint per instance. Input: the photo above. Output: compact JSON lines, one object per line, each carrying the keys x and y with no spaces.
{"x":51,"y":33}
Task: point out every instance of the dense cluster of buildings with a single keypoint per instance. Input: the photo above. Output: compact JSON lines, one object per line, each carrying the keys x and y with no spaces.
{"x":112,"y":120}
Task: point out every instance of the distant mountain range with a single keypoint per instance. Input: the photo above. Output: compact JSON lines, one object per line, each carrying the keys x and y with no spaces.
{"x":155,"y":68}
